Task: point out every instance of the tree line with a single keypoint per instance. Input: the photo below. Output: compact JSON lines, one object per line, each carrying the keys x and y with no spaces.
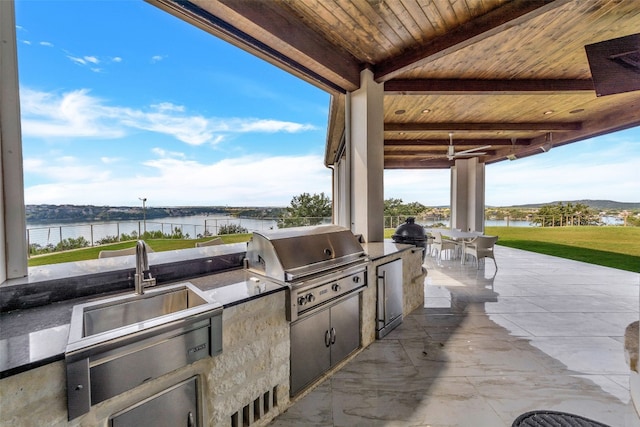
{"x":552,"y":215}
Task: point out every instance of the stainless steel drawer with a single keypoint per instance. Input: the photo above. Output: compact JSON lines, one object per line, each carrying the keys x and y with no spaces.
{"x":174,"y":407}
{"x":93,"y":378}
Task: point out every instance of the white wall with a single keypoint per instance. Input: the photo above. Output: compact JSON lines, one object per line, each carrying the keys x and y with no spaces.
{"x":366,"y":118}
{"x":13,"y":254}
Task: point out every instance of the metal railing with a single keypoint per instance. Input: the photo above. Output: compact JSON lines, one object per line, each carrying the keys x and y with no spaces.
{"x":61,"y":237}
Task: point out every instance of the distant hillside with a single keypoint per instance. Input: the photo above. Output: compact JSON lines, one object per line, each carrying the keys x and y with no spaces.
{"x":80,"y":213}
{"x":594,"y":204}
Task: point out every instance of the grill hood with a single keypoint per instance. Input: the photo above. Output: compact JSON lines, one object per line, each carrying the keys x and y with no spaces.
{"x":291,"y":253}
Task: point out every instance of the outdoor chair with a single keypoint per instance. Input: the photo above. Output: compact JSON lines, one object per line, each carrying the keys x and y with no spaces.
{"x":440,"y":244}
{"x":121,"y":252}
{"x":212,"y":242}
{"x":480,"y":247}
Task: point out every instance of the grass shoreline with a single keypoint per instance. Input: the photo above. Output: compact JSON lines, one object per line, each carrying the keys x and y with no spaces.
{"x":616,"y":247}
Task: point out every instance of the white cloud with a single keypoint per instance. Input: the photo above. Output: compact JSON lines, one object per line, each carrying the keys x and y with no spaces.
{"x":32,"y":164}
{"x":88,"y":61}
{"x":78,"y":114}
{"x":161,"y":152}
{"x":73,"y":114}
{"x":600,"y":168}
{"x":168,"y":106}
{"x":537,"y":182}
{"x":193,"y":130}
{"x":77,"y":60}
{"x":429,"y":187}
{"x":47,"y":44}
{"x":157,"y":58}
{"x":273,"y":126}
{"x":27,"y":42}
{"x":110,"y":160}
{"x":244,"y":181}
{"x":116,"y":59}
{"x":66,"y":170}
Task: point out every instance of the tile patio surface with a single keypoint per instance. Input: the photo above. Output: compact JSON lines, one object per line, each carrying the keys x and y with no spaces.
{"x":540,"y":333}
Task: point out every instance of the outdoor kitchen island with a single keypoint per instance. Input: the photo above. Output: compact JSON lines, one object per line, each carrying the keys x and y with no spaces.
{"x":247,"y":384}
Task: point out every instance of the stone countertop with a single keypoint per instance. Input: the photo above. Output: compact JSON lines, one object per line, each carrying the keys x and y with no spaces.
{"x":35,"y":337}
{"x":378,"y":250}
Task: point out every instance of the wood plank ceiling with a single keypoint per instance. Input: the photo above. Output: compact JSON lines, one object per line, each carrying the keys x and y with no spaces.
{"x":508,"y":79}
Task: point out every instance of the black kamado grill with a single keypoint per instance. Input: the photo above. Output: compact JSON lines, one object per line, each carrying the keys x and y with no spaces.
{"x":412,"y":234}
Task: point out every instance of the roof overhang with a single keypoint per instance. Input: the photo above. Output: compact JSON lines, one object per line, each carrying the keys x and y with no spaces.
{"x":508,"y":79}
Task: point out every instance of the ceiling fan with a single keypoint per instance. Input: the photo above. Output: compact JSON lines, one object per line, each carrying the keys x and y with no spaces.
{"x":451,"y":151}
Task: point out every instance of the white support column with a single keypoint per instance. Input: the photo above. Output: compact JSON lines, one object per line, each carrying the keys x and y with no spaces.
{"x":342,"y":175}
{"x":13,"y":253}
{"x":367,"y":158}
{"x":467,"y":195}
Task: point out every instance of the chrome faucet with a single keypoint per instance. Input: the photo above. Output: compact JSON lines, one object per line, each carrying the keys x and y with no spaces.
{"x":142,"y":269}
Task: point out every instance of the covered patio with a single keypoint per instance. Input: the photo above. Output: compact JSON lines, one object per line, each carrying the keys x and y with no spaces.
{"x":456,"y":85}
{"x":540,"y":333}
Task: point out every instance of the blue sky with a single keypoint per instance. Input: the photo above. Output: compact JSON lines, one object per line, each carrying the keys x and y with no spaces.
{"x":121,"y":100}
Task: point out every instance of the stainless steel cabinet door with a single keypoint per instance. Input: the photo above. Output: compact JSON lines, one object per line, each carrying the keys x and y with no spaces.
{"x":345,"y":328}
{"x":172,"y":408}
{"x":389,"y":291}
{"x":310,"y":353}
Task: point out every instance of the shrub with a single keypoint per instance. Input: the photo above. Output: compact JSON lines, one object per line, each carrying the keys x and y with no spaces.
{"x":71,"y":243}
{"x":232,"y":229}
{"x":108,"y":239}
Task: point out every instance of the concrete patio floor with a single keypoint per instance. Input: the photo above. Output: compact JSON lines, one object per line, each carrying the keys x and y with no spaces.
{"x":539,"y":333}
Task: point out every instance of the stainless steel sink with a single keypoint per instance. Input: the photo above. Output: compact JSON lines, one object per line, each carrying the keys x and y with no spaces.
{"x":114,"y":314}
{"x":115,"y":317}
{"x":113,"y":340}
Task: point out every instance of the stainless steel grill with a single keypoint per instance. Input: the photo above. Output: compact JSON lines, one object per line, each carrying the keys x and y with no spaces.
{"x":318,"y":264}
{"x":324,"y":269}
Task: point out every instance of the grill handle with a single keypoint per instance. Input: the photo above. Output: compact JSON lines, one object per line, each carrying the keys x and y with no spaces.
{"x":327,"y":338}
{"x":333,"y":336}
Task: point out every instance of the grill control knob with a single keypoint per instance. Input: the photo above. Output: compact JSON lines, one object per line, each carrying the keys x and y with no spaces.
{"x":335,"y":287}
{"x":356,"y":279}
{"x":311,"y":298}
{"x":302,"y":300}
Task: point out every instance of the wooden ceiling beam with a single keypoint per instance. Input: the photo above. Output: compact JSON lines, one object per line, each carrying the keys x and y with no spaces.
{"x":287,"y":28}
{"x":442,"y":151}
{"x":486,"y":87}
{"x":511,"y":14}
{"x":418,"y":164}
{"x":343,"y":70}
{"x":457,"y":141}
{"x":458,"y":127}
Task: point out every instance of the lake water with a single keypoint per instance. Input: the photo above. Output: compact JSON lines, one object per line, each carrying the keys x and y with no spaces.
{"x":52,"y":233}
{"x":44,"y":234}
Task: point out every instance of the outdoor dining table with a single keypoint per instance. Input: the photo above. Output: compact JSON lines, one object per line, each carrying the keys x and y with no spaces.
{"x":458,"y":236}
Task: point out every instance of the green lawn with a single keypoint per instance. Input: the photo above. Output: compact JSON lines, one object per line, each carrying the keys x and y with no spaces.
{"x":617,"y":247}
{"x":158,"y":245}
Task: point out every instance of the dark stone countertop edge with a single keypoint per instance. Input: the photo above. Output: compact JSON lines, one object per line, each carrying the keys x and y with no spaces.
{"x":18,"y":369}
{"x":15,"y":351}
